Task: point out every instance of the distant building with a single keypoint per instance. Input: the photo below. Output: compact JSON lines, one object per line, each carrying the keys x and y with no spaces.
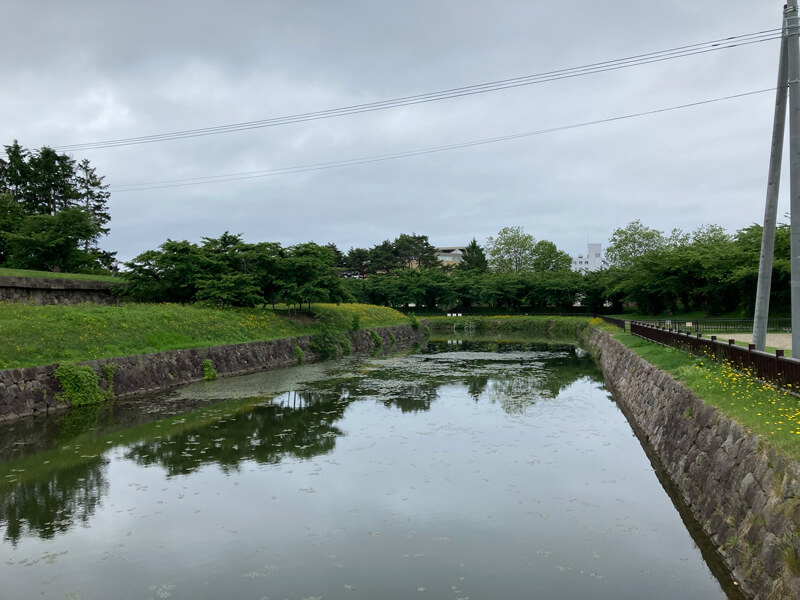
{"x":592,"y":261}
{"x":450,"y":255}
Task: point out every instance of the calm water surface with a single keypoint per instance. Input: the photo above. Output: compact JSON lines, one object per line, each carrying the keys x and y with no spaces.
{"x":467,"y":471}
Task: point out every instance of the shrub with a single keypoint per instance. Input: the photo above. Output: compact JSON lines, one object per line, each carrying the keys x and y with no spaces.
{"x":330,"y":341}
{"x":79,"y":384}
{"x":209,"y":372}
{"x":299,"y":354}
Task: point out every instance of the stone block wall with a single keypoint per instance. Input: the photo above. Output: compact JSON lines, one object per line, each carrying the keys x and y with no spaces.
{"x":42,"y":291}
{"x":35,"y":390}
{"x":744,"y":494}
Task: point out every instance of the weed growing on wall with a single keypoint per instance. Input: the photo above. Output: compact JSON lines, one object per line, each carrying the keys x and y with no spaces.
{"x":299,"y":354}
{"x":791,"y":557}
{"x":209,"y":372}
{"x":376,"y":338}
{"x":80,"y":385}
{"x":108,"y":370}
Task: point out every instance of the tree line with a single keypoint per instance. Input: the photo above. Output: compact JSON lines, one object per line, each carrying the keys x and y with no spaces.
{"x":707,"y":269}
{"x":403,"y":272}
{"x":53,"y":212}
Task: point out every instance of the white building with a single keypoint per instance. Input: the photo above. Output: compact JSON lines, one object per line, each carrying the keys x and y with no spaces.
{"x":450,"y":255}
{"x":591,"y":261}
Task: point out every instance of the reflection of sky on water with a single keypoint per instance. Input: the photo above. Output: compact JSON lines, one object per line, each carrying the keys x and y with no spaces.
{"x":471,"y":474}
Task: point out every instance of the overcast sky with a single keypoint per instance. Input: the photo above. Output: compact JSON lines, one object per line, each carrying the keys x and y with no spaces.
{"x":84,"y":71}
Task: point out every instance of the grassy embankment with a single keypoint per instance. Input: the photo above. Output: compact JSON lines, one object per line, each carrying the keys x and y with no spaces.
{"x":50,"y":275}
{"x":39,"y":335}
{"x":769,"y":412}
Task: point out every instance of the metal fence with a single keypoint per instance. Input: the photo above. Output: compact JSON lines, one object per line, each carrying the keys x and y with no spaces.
{"x":776,"y":325}
{"x":618,"y":322}
{"x":771,"y":367}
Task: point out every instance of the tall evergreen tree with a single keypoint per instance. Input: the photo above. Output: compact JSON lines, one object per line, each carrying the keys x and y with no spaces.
{"x":92,"y":196}
{"x":45,"y":183}
{"x":52,"y":182}
{"x":473,"y":258}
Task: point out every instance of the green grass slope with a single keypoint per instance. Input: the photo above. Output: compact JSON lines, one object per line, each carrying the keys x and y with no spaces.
{"x":39,"y":335}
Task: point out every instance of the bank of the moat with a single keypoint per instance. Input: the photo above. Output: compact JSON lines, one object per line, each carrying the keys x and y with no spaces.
{"x":745,"y":494}
{"x":36,"y":390}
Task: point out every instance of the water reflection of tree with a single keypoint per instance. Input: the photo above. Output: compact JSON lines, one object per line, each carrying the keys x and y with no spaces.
{"x":300,"y":425}
{"x":297,"y":424}
{"x":55,"y":505}
{"x":26,"y":437}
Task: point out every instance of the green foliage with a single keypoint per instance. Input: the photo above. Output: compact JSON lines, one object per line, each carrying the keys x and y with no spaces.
{"x":331,"y":341}
{"x":473,"y":258}
{"x":79,"y":385}
{"x":547,"y":257}
{"x":226,"y":271}
{"x":632,"y":241}
{"x":52,"y":211}
{"x":355,"y":324}
{"x":52,"y":241}
{"x":228,"y":289}
{"x":376,"y":338}
{"x":515,"y":252}
{"x":11,"y":216}
{"x":415,"y":251}
{"x":392,"y":338}
{"x":108,"y":370}
{"x":791,"y":557}
{"x":299,"y":353}
{"x":512,"y":251}
{"x":414,"y":321}
{"x":209,"y":372}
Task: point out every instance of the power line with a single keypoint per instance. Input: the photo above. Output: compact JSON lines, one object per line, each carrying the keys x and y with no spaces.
{"x":589,"y":69}
{"x":155,"y":185}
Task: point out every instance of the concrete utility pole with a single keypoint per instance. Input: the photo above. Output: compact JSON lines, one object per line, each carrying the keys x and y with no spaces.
{"x":788,"y":77}
{"x":793,"y":49}
{"x":771,"y":210}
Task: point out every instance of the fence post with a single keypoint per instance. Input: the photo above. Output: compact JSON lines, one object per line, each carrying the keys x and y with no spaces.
{"x":778,"y":362}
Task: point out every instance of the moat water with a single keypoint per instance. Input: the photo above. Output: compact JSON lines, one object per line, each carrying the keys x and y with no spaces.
{"x":466,"y":471}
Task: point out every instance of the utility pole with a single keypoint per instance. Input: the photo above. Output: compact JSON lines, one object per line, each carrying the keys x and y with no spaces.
{"x":788,"y":77}
{"x":771,"y":210}
{"x":793,"y":50}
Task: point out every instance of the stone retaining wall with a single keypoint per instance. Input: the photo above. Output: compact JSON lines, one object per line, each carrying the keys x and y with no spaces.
{"x":42,"y":291}
{"x":35,"y":390}
{"x":745,"y":495}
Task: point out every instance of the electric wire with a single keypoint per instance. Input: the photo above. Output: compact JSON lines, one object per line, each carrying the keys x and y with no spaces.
{"x":503,"y":84}
{"x":154,"y":185}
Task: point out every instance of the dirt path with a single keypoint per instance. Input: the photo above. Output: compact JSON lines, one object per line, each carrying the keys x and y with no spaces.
{"x":774,"y":340}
